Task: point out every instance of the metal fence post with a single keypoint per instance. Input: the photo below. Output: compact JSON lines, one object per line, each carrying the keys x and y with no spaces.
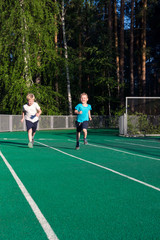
{"x":125,"y":124}
{"x":51,"y":122}
{"x":10,"y":123}
{"x":67,"y":122}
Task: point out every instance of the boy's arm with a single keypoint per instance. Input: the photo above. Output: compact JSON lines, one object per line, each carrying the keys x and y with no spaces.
{"x":22,"y":117}
{"x":76,"y":112}
{"x":38,"y":112}
{"x":89,"y":113}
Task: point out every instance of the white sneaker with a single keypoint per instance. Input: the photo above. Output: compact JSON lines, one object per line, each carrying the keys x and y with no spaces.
{"x":30,"y":145}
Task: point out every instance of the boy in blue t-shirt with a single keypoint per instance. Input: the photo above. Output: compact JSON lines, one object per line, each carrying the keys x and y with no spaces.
{"x":83,"y":111}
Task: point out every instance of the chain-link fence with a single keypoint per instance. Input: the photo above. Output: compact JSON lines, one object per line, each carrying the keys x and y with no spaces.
{"x":13,"y":122}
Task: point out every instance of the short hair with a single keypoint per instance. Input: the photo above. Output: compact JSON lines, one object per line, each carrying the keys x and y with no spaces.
{"x":30,"y":96}
{"x":83,"y":94}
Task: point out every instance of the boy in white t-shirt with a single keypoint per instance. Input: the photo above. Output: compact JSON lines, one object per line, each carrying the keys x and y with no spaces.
{"x":31,"y":113}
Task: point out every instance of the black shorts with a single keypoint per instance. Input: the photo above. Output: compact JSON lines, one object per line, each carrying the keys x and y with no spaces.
{"x":32,"y":125}
{"x":81,"y":125}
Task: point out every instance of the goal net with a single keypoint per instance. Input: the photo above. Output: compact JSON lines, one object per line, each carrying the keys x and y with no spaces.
{"x":142,"y":116}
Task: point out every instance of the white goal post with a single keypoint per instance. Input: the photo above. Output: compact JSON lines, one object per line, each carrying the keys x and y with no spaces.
{"x":141,"y":98}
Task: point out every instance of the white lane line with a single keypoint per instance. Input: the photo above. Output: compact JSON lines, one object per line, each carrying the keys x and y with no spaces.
{"x":142,"y":140}
{"x":48,"y":139}
{"x":100,"y":166}
{"x":15,"y":139}
{"x":134,"y":144}
{"x":42,"y":220}
{"x":11,"y":139}
{"x":117,"y":150}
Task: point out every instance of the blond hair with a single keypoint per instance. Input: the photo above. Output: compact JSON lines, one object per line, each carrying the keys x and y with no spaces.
{"x":83,"y":94}
{"x":30,"y":96}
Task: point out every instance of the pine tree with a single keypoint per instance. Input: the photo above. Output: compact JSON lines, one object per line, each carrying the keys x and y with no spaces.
{"x":122,"y":51}
{"x":131,"y":49}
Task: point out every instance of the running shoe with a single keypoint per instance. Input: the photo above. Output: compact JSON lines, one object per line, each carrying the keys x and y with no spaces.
{"x":77,"y":146}
{"x":30,"y":145}
{"x":85,"y":142}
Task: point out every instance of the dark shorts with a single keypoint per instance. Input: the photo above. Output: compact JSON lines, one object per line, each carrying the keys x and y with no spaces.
{"x":30,"y":125}
{"x":81,"y":125}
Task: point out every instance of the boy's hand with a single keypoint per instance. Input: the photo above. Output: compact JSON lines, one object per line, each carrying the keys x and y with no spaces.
{"x":22,"y":120}
{"x":76,"y":112}
{"x":39,"y":113}
{"x":90,"y":118}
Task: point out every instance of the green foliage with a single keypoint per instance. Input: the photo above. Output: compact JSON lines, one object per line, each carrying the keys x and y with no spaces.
{"x":13,"y":100}
{"x":141,"y":124}
{"x":46,"y":98}
{"x":27,"y":51}
{"x":28,"y":54}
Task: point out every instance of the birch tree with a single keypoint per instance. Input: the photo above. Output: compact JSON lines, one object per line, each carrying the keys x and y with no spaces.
{"x":25,"y":44}
{"x":26,"y":50}
{"x":66,"y":60}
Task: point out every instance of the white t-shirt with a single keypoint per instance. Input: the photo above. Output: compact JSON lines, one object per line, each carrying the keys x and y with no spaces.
{"x":30,"y":112}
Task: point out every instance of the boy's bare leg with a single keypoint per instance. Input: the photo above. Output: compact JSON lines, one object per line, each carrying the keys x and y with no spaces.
{"x":30,"y":145}
{"x":85,"y":136}
{"x":77,"y":139}
{"x":30,"y":135}
{"x":85,"y":133}
{"x":78,"y":136}
{"x":33,"y":137}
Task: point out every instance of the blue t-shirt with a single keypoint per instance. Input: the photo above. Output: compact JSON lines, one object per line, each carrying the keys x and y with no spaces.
{"x":84,"y":116}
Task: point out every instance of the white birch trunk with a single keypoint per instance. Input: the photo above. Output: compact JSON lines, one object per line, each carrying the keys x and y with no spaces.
{"x":66,"y":61}
{"x":27,"y":74}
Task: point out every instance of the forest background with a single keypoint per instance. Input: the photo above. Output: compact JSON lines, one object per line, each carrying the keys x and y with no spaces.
{"x":59,"y":49}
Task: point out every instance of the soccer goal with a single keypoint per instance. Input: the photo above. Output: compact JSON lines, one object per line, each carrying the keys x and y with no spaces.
{"x":142,"y":117}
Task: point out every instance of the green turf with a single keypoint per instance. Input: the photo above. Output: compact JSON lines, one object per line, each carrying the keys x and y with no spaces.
{"x":79,"y":200}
